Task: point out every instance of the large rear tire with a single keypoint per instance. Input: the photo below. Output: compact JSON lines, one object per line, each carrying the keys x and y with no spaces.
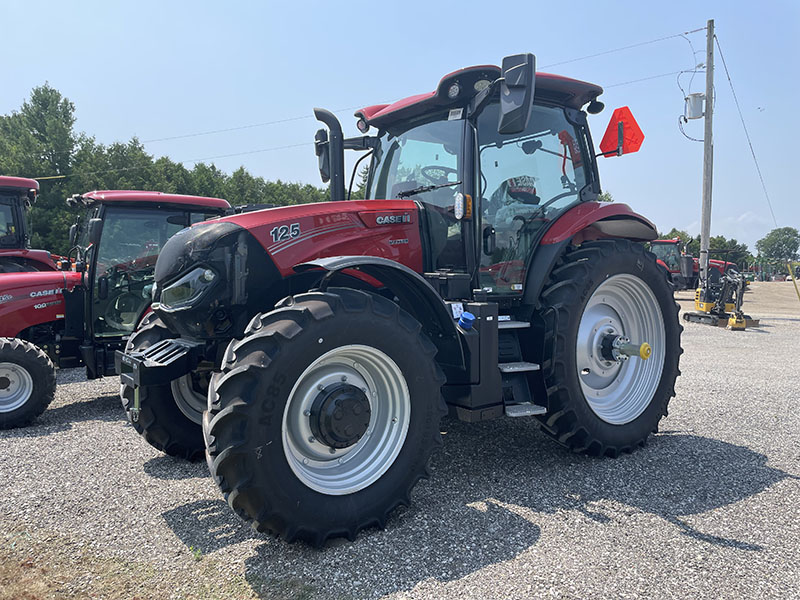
{"x":170,"y":414}
{"x":600,"y":290}
{"x":325,"y":415}
{"x":27,"y":382}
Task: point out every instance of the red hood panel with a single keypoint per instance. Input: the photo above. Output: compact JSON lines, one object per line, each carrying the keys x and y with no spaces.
{"x":296,"y":234}
{"x":28,"y":299}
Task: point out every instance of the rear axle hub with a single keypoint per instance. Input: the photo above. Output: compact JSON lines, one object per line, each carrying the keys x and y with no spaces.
{"x":340,"y":415}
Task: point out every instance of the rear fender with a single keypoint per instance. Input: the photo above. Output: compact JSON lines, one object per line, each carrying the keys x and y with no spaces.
{"x":414,"y":295}
{"x":585,"y":222}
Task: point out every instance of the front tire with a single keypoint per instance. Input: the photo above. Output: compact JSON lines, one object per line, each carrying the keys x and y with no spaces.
{"x":325,"y":415}
{"x":170,"y":414}
{"x":27,"y":382}
{"x":600,"y":290}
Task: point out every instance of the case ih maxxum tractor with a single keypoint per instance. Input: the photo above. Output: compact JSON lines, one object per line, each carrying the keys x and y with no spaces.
{"x":480,"y":277}
{"x":82,"y":314}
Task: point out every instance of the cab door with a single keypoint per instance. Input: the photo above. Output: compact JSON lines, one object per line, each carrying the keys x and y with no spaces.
{"x":124,"y":265}
{"x":526,"y":180}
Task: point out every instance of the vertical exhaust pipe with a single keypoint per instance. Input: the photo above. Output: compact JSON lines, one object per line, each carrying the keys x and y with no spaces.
{"x":335,"y":152}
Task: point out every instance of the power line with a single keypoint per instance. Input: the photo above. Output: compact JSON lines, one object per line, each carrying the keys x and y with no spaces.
{"x":746,"y":133}
{"x":620,"y":49}
{"x":179,"y":162}
{"x":300,"y":118}
{"x":238,"y":128}
{"x":642,"y":79}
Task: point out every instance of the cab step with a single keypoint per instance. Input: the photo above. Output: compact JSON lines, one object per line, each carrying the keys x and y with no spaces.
{"x":518,"y":367}
{"x":513,"y":324}
{"x":524,"y":409}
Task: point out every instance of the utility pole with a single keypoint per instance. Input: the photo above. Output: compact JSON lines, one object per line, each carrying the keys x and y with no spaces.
{"x":708,"y":156}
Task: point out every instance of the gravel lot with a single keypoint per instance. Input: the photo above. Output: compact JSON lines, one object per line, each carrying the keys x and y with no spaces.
{"x":708,"y":509}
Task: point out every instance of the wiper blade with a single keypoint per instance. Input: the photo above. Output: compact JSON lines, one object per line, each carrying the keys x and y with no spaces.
{"x":425,"y":188}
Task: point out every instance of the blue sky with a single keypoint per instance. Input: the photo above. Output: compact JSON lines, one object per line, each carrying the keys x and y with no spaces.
{"x":158,"y":69}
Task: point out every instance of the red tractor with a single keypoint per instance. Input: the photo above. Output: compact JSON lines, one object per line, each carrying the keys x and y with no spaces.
{"x":480,"y":277}
{"x":683,"y":268}
{"x":82,"y":315}
{"x":16,"y":195}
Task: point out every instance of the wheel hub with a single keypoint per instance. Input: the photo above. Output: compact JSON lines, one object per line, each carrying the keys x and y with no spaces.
{"x":16,"y":386}
{"x":340,"y":415}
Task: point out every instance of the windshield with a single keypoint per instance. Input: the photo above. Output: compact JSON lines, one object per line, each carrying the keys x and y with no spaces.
{"x":668,"y":254}
{"x":423,"y":155}
{"x":423,"y":161}
{"x":8,"y":229}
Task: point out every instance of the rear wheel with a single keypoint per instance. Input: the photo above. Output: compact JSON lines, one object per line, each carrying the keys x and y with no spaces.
{"x":325,"y":415}
{"x":170,"y":414}
{"x":600,"y":401}
{"x":27,"y":382}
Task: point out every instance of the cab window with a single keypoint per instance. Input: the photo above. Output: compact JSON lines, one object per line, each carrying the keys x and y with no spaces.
{"x":525,"y":181}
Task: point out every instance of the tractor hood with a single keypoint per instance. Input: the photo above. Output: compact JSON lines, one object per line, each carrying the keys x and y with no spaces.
{"x":211,"y":276}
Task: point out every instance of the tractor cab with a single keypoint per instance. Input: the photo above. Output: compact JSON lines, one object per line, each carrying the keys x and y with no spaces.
{"x":17,"y":194}
{"x":115,"y":242}
{"x":492,"y":158}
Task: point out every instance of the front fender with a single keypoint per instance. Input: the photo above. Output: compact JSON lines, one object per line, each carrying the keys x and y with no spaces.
{"x":415,"y":295}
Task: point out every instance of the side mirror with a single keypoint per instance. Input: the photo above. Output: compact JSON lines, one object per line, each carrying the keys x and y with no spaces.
{"x":489,"y":240}
{"x":323,"y":152}
{"x":73,"y":234}
{"x":95,"y":228}
{"x":516,"y":93}
{"x":102,"y":287}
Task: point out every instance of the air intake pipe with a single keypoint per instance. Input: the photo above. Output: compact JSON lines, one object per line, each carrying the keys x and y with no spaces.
{"x":334,"y":149}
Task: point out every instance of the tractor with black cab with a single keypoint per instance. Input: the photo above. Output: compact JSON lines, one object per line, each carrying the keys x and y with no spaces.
{"x":480,"y":277}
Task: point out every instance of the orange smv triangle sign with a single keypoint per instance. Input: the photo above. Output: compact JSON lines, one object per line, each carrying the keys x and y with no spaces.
{"x":632,"y":134}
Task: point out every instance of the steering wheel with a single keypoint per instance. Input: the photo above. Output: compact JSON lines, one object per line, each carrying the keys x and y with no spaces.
{"x":126,"y":302}
{"x":427,"y":173}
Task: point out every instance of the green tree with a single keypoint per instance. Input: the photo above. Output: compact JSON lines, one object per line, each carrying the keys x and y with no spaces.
{"x":692,"y":244}
{"x":779,"y":244}
{"x":729,"y":249}
{"x":605,"y":197}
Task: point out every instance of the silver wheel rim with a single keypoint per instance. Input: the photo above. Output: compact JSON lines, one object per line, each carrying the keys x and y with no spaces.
{"x":348,"y":470}
{"x":16,"y":386}
{"x":190,"y":402}
{"x":618,"y":392}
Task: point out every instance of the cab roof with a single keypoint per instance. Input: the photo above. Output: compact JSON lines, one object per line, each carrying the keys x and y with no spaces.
{"x":572,"y":93}
{"x":129,"y":196}
{"x":19,"y":182}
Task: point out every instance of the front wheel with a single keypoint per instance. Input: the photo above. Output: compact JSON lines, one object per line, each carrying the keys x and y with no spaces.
{"x":608,"y":297}
{"x":27,"y":382}
{"x":325,"y":415}
{"x":170,"y":414}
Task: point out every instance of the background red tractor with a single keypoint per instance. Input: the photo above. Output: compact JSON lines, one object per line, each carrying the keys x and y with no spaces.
{"x":82,"y":315}
{"x":683,"y":268}
{"x":480,"y":277}
{"x":16,"y":195}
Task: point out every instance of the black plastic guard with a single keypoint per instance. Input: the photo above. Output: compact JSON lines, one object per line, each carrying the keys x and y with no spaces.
{"x":158,"y":364}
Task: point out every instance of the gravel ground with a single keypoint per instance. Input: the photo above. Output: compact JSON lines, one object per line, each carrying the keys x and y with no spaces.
{"x":708,"y":509}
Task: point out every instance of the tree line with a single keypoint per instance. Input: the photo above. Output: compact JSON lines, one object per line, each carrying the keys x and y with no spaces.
{"x":40,"y":140}
{"x":777,"y":247}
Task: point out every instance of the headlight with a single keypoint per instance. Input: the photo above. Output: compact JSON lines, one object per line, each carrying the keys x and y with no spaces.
{"x":183,"y":293}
